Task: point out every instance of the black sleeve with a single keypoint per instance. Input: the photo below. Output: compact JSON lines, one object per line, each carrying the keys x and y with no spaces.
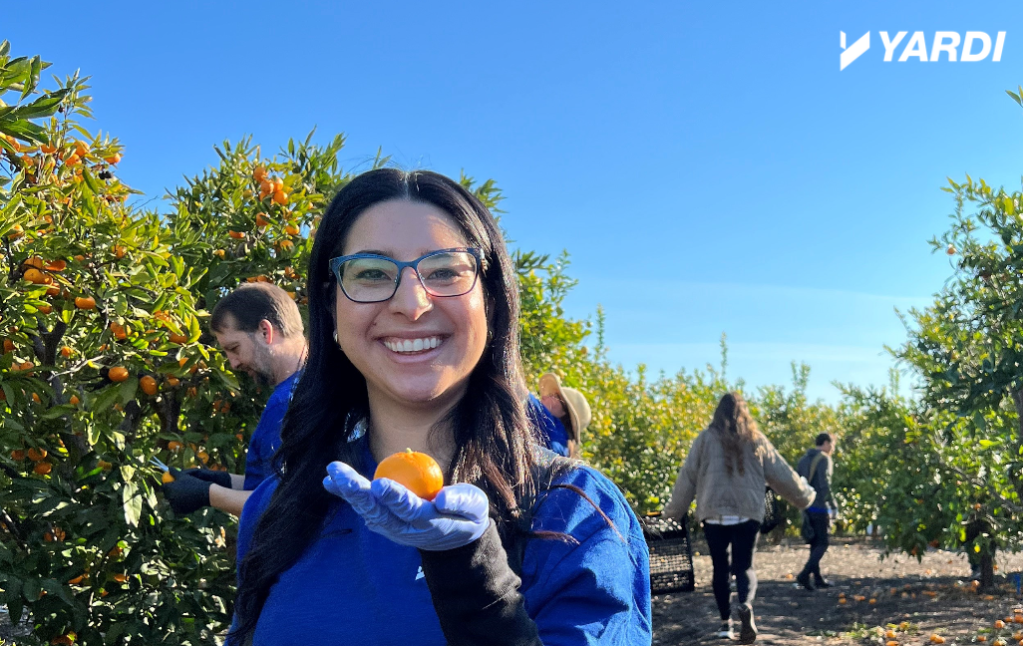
{"x":476,"y":595}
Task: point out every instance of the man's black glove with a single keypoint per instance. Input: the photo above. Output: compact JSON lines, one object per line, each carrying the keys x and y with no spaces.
{"x":222,"y":478}
{"x":187,"y":493}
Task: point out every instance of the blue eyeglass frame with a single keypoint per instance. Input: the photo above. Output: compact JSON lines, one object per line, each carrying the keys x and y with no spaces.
{"x":477,"y":253}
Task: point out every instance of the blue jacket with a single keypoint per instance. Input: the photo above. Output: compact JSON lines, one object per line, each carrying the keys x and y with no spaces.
{"x":266,"y":439}
{"x":353,"y":586}
{"x":552,"y":430}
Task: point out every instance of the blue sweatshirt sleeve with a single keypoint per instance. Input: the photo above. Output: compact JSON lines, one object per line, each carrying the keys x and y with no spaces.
{"x":595,"y":589}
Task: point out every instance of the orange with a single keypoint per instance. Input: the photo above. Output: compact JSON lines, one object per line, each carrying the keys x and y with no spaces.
{"x":173,"y":381}
{"x":67,"y":639}
{"x":259,"y":174}
{"x":982,"y":638}
{"x":42,"y":468}
{"x":118,"y":374}
{"x":65,"y":352}
{"x":118,"y":331}
{"x":52,"y":290}
{"x":166,"y":477}
{"x":85,"y":302}
{"x":81,"y":148}
{"x":16,"y":232}
{"x":19,"y":454}
{"x":174,"y":445}
{"x":937,"y":639}
{"x":121,"y":578}
{"x":77,"y":580}
{"x":56,"y":265}
{"x":280,"y":197}
{"x":72,"y":159}
{"x":115,"y":552}
{"x":35,"y":276}
{"x":35,"y":398}
{"x":113,"y":159}
{"x":120,"y":251}
{"x":37,"y":455}
{"x":892,"y":643}
{"x":48,"y":150}
{"x":34,"y":261}
{"x":106,"y":466}
{"x":178,"y":338}
{"x":74,"y":400}
{"x":219,"y":253}
{"x":237,"y":235}
{"x":148,"y":385}
{"x":45,"y":309}
{"x":292,"y":230}
{"x":417,"y":471}
{"x":261,"y":220}
{"x":8,"y":345}
{"x":999,"y":624}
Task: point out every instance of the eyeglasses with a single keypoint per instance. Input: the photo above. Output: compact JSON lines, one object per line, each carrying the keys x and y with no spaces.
{"x":372,"y":278}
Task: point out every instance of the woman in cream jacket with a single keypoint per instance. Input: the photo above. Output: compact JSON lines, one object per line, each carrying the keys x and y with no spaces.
{"x":727,"y":470}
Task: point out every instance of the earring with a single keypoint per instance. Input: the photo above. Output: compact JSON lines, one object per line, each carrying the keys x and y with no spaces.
{"x":335,"y":338}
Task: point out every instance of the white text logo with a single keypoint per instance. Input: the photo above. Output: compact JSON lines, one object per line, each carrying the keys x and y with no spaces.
{"x":975,"y":46}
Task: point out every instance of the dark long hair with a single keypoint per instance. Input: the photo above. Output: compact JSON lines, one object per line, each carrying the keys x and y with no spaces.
{"x":736,"y":429}
{"x":492,"y":437}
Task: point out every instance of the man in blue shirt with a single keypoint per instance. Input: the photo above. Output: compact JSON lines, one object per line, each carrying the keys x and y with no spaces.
{"x":259,"y":328}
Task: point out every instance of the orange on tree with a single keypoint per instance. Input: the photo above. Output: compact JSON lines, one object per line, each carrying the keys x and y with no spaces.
{"x":173,"y":381}
{"x":237,"y":235}
{"x":66,"y":352}
{"x":103,"y":464}
{"x":35,"y":276}
{"x":113,"y":159}
{"x":34,"y":261}
{"x":178,"y":338}
{"x":18,"y":454}
{"x":148,"y":385}
{"x":8,"y":345}
{"x":999,"y":624}
{"x":118,"y":374}
{"x":280,"y":197}
{"x":42,"y":468}
{"x":67,"y":639}
{"x":119,"y":333}
{"x":174,"y":445}
{"x":56,"y":265}
{"x":120,"y":251}
{"x":261,"y":220}
{"x":45,"y":309}
{"x":259,"y":174}
{"x":74,"y":400}
{"x":36,"y":455}
{"x":418,"y":472}
{"x":17,"y":231}
{"x":85,"y":302}
{"x":81,"y":148}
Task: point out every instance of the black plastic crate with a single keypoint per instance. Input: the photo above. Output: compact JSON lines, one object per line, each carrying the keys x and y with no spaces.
{"x":671,"y":555}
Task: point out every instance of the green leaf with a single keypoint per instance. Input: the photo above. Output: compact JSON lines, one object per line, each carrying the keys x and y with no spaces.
{"x":132,"y":504}
{"x":128,"y":389}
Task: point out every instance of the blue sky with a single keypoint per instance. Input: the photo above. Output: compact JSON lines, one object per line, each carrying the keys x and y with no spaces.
{"x":706,"y":165}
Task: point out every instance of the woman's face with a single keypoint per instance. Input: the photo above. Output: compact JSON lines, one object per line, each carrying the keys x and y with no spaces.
{"x":375,"y":336}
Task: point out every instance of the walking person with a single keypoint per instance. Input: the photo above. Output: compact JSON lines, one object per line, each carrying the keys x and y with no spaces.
{"x":727,"y":469}
{"x":413,"y":344}
{"x":259,"y":328}
{"x":816,"y":466}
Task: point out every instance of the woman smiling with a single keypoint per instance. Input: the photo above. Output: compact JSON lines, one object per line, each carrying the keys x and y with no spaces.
{"x":413,"y":313}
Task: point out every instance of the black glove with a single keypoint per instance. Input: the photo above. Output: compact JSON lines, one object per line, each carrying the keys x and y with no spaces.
{"x":222,"y":478}
{"x":187,"y":493}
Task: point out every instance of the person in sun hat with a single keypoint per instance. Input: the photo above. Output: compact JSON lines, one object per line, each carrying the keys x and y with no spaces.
{"x":567,"y":414}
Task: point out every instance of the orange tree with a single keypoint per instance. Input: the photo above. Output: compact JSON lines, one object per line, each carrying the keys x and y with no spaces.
{"x":968,"y":347}
{"x":100,"y":353}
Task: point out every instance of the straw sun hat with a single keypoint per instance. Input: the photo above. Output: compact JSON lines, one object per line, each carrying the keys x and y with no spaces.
{"x":578,"y":408}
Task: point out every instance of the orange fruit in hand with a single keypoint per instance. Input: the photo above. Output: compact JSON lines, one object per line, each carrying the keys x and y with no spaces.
{"x":417,"y":471}
{"x":148,"y":385}
{"x":118,"y":374}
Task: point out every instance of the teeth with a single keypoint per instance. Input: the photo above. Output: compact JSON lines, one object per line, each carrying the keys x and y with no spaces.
{"x":413,"y":345}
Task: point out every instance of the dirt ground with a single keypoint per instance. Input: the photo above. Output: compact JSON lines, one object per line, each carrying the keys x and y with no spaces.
{"x":933,"y":596}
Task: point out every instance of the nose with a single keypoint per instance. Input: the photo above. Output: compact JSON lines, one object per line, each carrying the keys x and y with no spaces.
{"x":234,"y":362}
{"x":411,"y":298}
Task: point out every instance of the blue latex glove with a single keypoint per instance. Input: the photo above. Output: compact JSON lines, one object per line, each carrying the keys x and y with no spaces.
{"x":457,"y":516}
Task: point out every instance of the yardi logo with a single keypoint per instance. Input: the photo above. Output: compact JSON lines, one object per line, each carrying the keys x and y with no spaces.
{"x":854,"y":52}
{"x":976,"y":46}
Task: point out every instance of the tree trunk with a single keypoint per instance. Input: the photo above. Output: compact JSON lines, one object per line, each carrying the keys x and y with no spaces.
{"x":987,"y":569}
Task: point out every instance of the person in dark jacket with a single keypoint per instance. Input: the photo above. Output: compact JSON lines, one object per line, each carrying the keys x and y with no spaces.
{"x":816,"y":466}
{"x":414,"y":344}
